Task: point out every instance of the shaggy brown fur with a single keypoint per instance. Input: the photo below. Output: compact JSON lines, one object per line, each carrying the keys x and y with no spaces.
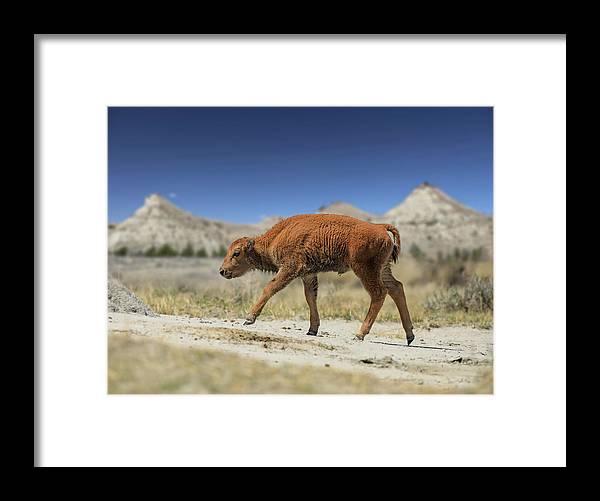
{"x":302,"y":246}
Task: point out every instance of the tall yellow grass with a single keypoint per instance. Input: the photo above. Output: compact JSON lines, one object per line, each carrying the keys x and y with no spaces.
{"x":339,"y":296}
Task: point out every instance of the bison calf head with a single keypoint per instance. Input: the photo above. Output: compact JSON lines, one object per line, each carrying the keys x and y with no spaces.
{"x":236,"y":261}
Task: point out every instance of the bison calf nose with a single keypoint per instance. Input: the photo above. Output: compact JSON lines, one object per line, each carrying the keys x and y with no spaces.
{"x":222,"y":272}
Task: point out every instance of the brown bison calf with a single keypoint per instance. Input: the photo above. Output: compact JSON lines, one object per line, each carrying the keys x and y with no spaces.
{"x":302,"y":246}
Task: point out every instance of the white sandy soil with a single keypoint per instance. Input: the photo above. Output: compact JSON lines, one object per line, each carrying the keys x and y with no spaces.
{"x":452,"y":358}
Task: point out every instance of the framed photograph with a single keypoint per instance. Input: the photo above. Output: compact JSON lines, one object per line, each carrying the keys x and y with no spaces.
{"x":307,"y":212}
{"x":300,"y":251}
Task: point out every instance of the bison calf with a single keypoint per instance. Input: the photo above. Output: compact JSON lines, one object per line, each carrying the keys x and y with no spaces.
{"x":302,"y":246}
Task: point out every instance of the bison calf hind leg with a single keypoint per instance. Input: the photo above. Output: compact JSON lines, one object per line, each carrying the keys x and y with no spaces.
{"x":396,"y":290}
{"x":311,"y":285}
{"x":372,"y":283}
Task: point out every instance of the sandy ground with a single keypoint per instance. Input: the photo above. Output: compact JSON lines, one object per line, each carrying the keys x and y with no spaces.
{"x":453,"y":359}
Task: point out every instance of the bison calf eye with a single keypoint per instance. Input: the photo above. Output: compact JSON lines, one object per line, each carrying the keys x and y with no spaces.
{"x":236,"y":254}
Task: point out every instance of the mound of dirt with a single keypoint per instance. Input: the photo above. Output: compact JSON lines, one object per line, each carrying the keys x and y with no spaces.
{"x":121,"y":299}
{"x":158,"y":222}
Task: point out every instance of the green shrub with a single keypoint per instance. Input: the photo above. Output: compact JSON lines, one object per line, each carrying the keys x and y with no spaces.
{"x":477,"y":295}
{"x":456,"y":273}
{"x":151,"y":252}
{"x":201,"y":252}
{"x":416,"y":252}
{"x":188,"y":251}
{"x":221,"y":252}
{"x":446,"y":300}
{"x":121,"y":251}
{"x":166,"y":251}
{"x":477,"y":254}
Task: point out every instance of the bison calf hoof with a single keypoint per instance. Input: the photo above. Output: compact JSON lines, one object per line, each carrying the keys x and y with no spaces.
{"x":311,"y":333}
{"x":360,"y":337}
{"x":250,"y":321}
{"x":409,"y":338}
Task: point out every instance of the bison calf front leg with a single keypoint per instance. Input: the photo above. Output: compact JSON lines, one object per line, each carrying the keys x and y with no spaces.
{"x":281,"y":280}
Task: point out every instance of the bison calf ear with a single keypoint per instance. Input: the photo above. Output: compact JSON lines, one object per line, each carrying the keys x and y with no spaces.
{"x":250,"y":244}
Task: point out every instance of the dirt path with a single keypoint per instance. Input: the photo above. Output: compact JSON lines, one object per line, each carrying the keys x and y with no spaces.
{"x":449,"y":358}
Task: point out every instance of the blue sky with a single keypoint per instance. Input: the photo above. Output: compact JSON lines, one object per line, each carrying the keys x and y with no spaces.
{"x":240,"y":164}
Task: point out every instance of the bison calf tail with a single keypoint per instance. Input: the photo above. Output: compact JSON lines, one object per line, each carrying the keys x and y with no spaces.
{"x":396,"y":249}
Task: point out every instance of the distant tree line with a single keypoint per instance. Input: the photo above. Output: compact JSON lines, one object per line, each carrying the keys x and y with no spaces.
{"x":477,"y":254}
{"x":458,"y":255}
{"x":167,"y":250}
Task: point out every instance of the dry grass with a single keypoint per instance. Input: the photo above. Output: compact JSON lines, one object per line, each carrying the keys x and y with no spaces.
{"x":339,"y":296}
{"x":145,"y":366}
